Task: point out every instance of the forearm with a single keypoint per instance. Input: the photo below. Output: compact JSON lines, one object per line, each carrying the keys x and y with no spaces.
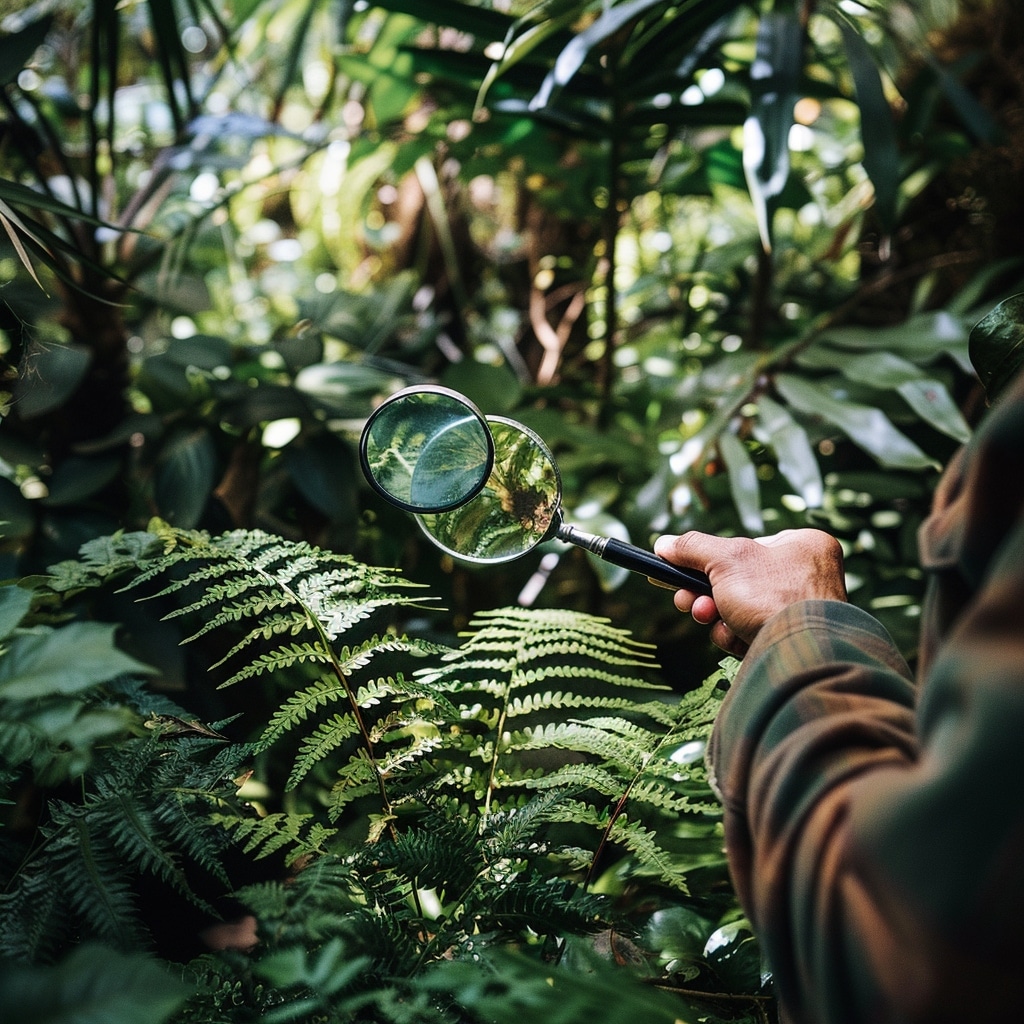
{"x":876,"y":846}
{"x":822,"y":702}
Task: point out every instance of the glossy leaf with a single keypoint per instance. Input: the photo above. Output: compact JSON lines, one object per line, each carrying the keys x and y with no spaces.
{"x":50,"y":376}
{"x":746,"y":492}
{"x":877,"y":127}
{"x":185,"y":476}
{"x":14,"y":605}
{"x":793,"y":451}
{"x":77,"y":478}
{"x":323,"y":468}
{"x":70,"y":659}
{"x":344,"y":389}
{"x":997,"y":345}
{"x":868,"y":428}
{"x":922,"y":338}
{"x":774,"y":80}
{"x":926,"y":395}
{"x":572,"y":58}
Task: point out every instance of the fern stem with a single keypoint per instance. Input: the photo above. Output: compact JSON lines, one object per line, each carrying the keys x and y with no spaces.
{"x":342,"y":677}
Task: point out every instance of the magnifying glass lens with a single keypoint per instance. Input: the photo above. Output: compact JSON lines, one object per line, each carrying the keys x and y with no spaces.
{"x":427,"y":450}
{"x":517,"y":507}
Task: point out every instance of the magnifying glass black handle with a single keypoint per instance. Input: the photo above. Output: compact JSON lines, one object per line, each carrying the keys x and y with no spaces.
{"x":629,"y":556}
{"x":655,"y":568}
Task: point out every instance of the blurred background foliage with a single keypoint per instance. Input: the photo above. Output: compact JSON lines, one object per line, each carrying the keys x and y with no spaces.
{"x":723,"y":256}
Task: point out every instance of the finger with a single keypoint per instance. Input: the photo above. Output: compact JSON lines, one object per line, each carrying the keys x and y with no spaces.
{"x":725,"y":639}
{"x":704,"y":610}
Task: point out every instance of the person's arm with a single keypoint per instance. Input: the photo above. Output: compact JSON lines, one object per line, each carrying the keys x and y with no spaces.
{"x":878,"y":849}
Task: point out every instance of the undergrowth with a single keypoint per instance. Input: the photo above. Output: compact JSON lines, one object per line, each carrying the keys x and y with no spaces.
{"x":395,"y":829}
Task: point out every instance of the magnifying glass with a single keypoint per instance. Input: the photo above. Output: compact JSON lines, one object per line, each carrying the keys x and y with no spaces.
{"x":485,"y":517}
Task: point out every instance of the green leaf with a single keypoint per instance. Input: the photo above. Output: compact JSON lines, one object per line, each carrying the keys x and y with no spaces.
{"x":774,"y":79}
{"x":573,"y":56}
{"x":868,"y":428}
{"x":976,"y":119}
{"x":16,"y":49}
{"x":185,"y":474}
{"x":76,"y":478}
{"x":50,"y":375}
{"x":323,"y":468}
{"x":922,"y":338}
{"x":746,"y":492}
{"x":14,"y":605}
{"x":67,"y":660}
{"x":877,"y":128}
{"x":344,"y":389}
{"x":928,"y":397}
{"x":996,"y":345}
{"x":793,"y":450}
{"x":93,"y":985}
{"x":495,"y":389}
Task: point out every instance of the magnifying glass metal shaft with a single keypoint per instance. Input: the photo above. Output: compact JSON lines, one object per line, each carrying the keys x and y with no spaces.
{"x":484,"y":489}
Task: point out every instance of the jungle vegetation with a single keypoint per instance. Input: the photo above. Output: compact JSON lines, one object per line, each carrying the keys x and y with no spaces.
{"x":265,"y":753}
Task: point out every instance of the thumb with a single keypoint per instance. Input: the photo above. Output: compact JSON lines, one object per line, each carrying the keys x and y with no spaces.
{"x":691,"y":550}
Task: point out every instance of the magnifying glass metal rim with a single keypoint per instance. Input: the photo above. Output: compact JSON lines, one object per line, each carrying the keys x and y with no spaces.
{"x":556,"y":516}
{"x":436,"y":389}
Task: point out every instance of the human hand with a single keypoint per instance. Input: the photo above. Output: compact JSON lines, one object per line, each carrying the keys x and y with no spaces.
{"x":754,"y":579}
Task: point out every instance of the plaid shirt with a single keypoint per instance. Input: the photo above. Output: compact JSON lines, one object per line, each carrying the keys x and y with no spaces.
{"x":874,"y":821}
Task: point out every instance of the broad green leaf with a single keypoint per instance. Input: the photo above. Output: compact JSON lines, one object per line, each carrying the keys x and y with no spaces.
{"x":868,"y":428}
{"x":185,"y":476}
{"x":746,"y":492}
{"x":793,"y":450}
{"x":66,"y":660}
{"x":14,"y":605}
{"x":77,"y":478}
{"x":345,"y":389}
{"x":495,"y":389}
{"x":50,"y":375}
{"x":922,"y":338}
{"x":997,"y":345}
{"x":928,"y":397}
{"x":324,"y":471}
{"x":877,"y":127}
{"x":93,"y":985}
{"x":774,"y":79}
{"x":16,"y":49}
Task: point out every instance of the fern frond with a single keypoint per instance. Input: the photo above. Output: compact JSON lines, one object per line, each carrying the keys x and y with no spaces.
{"x":258,"y":603}
{"x":327,"y":737}
{"x":34,"y":921}
{"x":93,"y":880}
{"x":273,"y":661}
{"x":546,"y":906}
{"x":300,"y":705}
{"x":301,"y":834}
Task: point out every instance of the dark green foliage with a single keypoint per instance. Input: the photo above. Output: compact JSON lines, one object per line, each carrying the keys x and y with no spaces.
{"x":510,"y":786}
{"x":94,"y":985}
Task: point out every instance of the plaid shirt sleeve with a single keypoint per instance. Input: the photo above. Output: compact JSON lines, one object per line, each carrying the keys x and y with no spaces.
{"x":875,"y":828}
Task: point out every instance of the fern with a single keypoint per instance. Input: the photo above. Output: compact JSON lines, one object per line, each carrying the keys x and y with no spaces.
{"x":511,"y":708}
{"x":300,"y":834}
{"x":504,"y":774}
{"x":144,"y":812}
